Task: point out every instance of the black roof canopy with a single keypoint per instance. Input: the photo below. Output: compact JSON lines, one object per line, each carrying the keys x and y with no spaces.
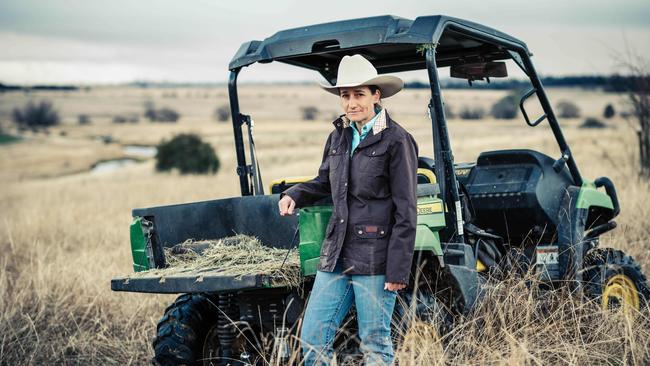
{"x":391,"y":43}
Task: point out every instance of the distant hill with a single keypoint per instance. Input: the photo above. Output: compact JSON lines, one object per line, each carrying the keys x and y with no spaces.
{"x":4,"y":87}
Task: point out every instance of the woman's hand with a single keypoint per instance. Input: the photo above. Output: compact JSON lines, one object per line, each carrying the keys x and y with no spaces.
{"x":286,"y":205}
{"x":391,"y":286}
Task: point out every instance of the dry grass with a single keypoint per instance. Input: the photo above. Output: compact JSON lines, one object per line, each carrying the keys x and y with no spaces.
{"x":237,"y":256}
{"x":516,"y":323}
{"x":63,"y":238}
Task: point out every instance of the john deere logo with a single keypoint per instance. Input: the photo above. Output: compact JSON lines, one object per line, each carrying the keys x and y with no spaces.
{"x":429,"y":208}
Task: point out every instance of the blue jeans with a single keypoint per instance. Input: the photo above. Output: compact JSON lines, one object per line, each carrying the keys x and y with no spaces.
{"x":330,"y":300}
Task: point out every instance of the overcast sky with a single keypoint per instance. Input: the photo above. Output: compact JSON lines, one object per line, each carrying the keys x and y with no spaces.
{"x":88,"y":41}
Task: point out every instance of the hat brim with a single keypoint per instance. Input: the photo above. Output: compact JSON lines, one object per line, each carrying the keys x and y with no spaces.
{"x":388,"y":84}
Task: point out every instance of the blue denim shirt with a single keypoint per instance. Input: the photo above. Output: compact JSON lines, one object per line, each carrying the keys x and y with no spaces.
{"x":356,"y":136}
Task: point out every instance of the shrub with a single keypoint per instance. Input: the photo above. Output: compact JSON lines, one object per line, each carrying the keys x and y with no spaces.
{"x":309,"y":113}
{"x":471,"y":112}
{"x":566,"y":109}
{"x":132,"y":118}
{"x":222,"y":114}
{"x":505,"y":108}
{"x":609,"y":111}
{"x":187,"y":153}
{"x":160,"y":115}
{"x":36,"y":116}
{"x":83,"y":119}
{"x":119,"y":119}
{"x":592,"y":123}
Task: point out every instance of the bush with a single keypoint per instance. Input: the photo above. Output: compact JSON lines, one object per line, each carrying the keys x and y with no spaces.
{"x":566,"y":109}
{"x":160,"y":115}
{"x":188,"y":154}
{"x":609,"y":111}
{"x":309,"y":113}
{"x":83,"y":119}
{"x":36,"y":116}
{"x":133,"y":118}
{"x":471,"y":112}
{"x":119,"y":119}
{"x":449,"y":113}
{"x":505,"y":108}
{"x":592,"y":123}
{"x":222,"y":114}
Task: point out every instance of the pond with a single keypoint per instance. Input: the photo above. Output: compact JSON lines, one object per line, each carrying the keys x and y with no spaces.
{"x":142,"y":151}
{"x":109,"y":166}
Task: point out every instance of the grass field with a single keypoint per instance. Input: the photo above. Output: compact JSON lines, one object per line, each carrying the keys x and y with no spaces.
{"x":64,"y":229}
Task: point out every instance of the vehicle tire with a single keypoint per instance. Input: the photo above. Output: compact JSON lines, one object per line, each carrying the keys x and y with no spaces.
{"x":181,"y":334}
{"x":615,"y":280}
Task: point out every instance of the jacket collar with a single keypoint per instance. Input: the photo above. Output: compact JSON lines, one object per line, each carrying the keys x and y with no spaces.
{"x":382,"y":122}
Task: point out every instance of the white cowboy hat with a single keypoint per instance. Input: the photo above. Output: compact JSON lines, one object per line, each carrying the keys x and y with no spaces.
{"x":355,"y":70}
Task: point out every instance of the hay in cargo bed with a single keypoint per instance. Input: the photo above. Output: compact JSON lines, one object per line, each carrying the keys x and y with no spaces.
{"x":233,"y":256}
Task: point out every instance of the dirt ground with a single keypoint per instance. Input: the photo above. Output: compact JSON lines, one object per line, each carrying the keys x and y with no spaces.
{"x":64,"y":229}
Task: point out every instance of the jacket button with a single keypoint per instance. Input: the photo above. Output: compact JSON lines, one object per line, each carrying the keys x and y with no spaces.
{"x":334,"y":151}
{"x":345,"y":184}
{"x":373,"y":152}
{"x":342,"y":220}
{"x":360,"y":232}
{"x":381,"y":232}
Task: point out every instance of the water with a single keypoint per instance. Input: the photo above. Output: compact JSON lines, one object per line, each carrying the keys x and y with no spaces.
{"x":111,"y":165}
{"x":140,"y":151}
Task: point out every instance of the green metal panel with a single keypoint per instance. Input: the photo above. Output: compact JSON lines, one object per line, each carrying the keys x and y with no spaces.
{"x":431,"y":218}
{"x":138,"y":246}
{"x":590,"y":196}
{"x":313,"y":223}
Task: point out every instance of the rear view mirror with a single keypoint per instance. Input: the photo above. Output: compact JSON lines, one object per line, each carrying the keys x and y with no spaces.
{"x":479,"y":71}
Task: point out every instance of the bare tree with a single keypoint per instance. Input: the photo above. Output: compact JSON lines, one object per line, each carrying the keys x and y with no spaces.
{"x":639,"y":98}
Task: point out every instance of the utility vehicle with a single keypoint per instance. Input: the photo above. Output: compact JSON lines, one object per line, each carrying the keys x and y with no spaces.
{"x":471,"y":216}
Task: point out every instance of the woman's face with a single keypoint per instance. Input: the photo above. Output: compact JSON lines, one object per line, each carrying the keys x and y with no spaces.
{"x":358,"y":103}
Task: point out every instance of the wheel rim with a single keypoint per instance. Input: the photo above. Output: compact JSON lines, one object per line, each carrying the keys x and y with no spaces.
{"x":620,"y":292}
{"x":211,"y":349}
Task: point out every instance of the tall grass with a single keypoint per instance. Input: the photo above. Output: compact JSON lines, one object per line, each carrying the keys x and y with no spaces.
{"x":62,"y":239}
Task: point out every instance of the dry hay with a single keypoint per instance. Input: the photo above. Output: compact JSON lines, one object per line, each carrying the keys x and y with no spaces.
{"x":237,"y":256}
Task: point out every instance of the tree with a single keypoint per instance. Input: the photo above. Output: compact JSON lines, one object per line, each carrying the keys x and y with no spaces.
{"x":187,"y":153}
{"x":591,"y":122}
{"x":36,"y":116}
{"x":609,"y":111}
{"x":161,"y":114}
{"x":222,"y":113}
{"x":83,"y":119}
{"x":639,"y":98}
{"x":309,"y":113}
{"x":566,"y":109}
{"x":505,"y":108}
{"x":471,"y":112}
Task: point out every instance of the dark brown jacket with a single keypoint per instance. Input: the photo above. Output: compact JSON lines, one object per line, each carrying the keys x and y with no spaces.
{"x":372,"y":229}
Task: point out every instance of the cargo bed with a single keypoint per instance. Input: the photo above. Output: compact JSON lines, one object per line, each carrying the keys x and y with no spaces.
{"x":210,"y":220}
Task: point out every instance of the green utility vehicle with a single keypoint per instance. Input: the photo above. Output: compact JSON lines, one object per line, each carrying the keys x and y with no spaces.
{"x":472,"y":216}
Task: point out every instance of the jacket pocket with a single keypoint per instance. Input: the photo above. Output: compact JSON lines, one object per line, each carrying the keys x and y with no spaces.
{"x":370,"y":231}
{"x":335,"y":155}
{"x":376,"y":158}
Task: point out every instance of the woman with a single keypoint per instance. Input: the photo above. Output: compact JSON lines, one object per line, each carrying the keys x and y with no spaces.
{"x":369,"y":168}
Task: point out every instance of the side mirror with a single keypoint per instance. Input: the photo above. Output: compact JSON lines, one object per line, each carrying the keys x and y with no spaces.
{"x":479,"y":71}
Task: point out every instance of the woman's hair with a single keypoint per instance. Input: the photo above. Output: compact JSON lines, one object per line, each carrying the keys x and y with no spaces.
{"x":373,"y":90}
